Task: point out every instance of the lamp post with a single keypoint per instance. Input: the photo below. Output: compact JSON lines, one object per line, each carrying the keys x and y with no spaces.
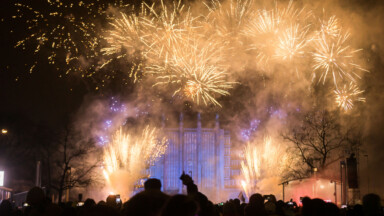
{"x":367,"y":173}
{"x":343,"y":183}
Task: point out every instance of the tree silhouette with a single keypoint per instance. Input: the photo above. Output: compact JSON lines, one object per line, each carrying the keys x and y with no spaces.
{"x":318,"y":141}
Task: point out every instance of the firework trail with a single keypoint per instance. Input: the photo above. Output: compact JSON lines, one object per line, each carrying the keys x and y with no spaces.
{"x":250,"y":169}
{"x":126,"y":157}
{"x":346,"y":96}
{"x":261,"y":163}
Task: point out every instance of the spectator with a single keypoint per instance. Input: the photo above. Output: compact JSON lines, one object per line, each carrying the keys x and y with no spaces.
{"x":148,"y":202}
{"x":152,"y":184}
{"x":180,"y":205}
{"x":255,"y":206}
{"x":89,"y":203}
{"x":372,"y":205}
{"x":5,"y":208}
{"x":332,"y":209}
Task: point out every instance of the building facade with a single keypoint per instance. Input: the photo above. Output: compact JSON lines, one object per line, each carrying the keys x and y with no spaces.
{"x":205,"y":154}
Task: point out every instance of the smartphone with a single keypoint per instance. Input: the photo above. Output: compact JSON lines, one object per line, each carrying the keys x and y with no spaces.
{"x":80,"y":203}
{"x":343,"y":206}
{"x":118,"y":200}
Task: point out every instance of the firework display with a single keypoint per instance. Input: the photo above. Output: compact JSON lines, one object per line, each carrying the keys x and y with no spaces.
{"x":189,"y":53}
{"x":259,"y":64}
{"x":124,"y":157}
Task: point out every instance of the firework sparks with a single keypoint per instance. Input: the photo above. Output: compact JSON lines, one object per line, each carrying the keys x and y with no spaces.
{"x":333,"y":57}
{"x":261,"y":162}
{"x":292,"y":43}
{"x":346,"y":96}
{"x":250,"y":168}
{"x":168,"y":26}
{"x":276,"y":33}
{"x":67,"y":35}
{"x":127,"y":33}
{"x":126,"y":157}
{"x":62,"y":31}
{"x":330,"y":27}
{"x":179,"y":57}
{"x":230,"y":18}
{"x":196,"y":70}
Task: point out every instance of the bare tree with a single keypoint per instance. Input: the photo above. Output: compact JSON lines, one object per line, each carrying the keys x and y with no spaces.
{"x":318,"y":141}
{"x":74,"y":162}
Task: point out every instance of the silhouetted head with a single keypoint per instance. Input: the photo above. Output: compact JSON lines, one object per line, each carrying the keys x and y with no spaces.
{"x":111,"y":201}
{"x":332,"y":209}
{"x":152,"y":184}
{"x":89,"y":203}
{"x":101,"y":203}
{"x":256,"y":199}
{"x":237,"y":203}
{"x":307,"y":206}
{"x":371,"y":204}
{"x":318,"y":207}
{"x":35,"y":196}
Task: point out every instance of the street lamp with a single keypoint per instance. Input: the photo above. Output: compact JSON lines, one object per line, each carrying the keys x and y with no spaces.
{"x":367,"y":173}
{"x":4,"y":131}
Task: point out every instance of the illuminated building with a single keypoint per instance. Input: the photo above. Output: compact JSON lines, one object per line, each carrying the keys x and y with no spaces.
{"x":205,"y":154}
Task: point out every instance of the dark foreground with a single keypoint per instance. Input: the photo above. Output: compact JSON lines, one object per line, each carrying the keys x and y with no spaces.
{"x":153,"y":202}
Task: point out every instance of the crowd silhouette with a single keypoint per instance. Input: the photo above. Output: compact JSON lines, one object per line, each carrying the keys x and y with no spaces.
{"x":153,"y":202}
